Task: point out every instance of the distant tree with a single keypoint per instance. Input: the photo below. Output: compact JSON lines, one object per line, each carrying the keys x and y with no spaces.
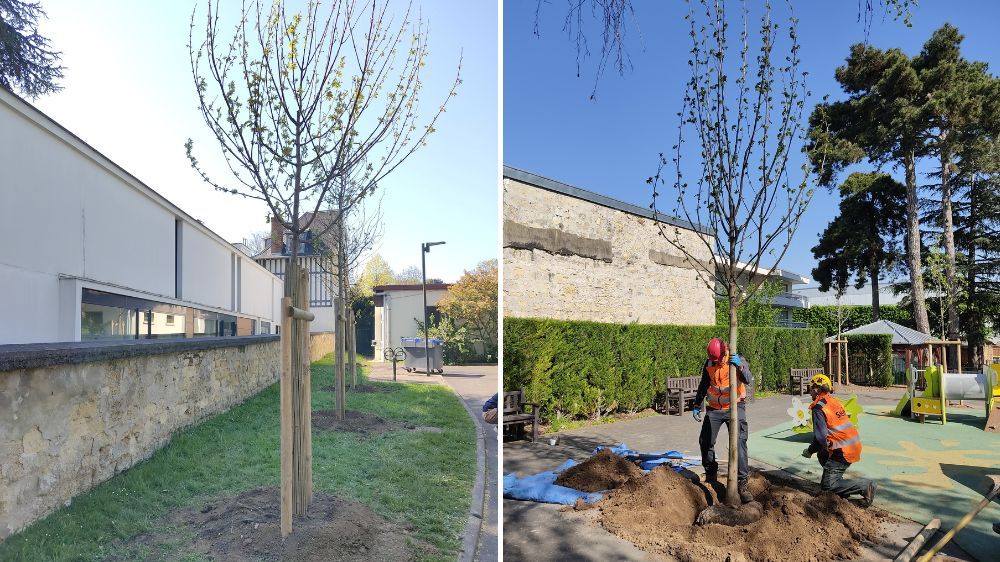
{"x":257,"y":242}
{"x":863,"y":240}
{"x":474,"y":301}
{"x":376,"y":272}
{"x":27,"y":62}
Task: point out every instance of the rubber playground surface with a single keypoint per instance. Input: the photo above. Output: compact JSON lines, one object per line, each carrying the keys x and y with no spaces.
{"x":923,"y":470}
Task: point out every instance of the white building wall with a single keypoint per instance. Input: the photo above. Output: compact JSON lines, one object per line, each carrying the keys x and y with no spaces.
{"x":397,"y":316}
{"x":68,"y":213}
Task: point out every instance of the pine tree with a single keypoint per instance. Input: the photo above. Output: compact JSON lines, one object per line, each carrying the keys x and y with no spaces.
{"x":27,"y":62}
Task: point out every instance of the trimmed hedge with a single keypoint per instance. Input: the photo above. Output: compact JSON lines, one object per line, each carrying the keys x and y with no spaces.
{"x":875,"y":354}
{"x":575,"y":368}
{"x":825,"y":316}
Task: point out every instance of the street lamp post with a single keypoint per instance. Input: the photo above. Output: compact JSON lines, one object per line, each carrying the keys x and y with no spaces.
{"x":425,"y":248}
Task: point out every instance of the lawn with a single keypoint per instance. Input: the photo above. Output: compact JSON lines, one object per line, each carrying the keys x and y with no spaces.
{"x":422,"y":480}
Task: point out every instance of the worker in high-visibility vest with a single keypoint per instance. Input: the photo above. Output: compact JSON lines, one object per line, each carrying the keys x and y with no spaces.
{"x":837,"y":441}
{"x":715,"y":387}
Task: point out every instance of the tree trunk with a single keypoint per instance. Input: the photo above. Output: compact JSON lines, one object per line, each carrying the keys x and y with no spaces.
{"x":732,"y":492}
{"x":913,"y":246}
{"x":949,"y":245}
{"x":874,"y":272}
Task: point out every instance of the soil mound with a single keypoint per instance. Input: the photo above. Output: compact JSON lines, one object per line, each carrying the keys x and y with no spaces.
{"x":248,"y":527}
{"x":603,"y":471}
{"x":355,"y":422}
{"x":657,"y":513}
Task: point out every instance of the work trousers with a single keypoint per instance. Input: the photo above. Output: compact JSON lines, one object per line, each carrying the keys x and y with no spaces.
{"x":710,"y":432}
{"x":833,"y":480}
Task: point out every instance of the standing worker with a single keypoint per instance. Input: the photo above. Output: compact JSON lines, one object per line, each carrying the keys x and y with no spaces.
{"x":715,"y":386}
{"x":837,"y":441}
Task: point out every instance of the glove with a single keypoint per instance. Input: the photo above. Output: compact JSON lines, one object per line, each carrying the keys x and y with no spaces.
{"x":734,"y":360}
{"x":697,"y":414}
{"x":807,"y":453}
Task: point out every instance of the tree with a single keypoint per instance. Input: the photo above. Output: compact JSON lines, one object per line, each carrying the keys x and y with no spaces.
{"x":862,"y":249}
{"x":257,"y":242}
{"x":376,"y":272}
{"x":474,"y":301}
{"x":27,"y":62}
{"x":745,"y":127}
{"x":880,"y":121}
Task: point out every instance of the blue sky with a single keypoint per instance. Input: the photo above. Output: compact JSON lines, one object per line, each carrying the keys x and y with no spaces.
{"x":610,"y":145}
{"x":128,"y":92}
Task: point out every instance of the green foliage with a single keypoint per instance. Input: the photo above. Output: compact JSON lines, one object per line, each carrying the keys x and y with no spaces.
{"x":824,"y":317}
{"x":591,"y":369}
{"x":757,"y":311}
{"x":875,"y":351}
{"x":27,"y":62}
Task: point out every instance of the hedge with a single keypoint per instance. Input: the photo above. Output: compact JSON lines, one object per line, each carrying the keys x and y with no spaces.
{"x":575,"y":368}
{"x":874,"y":351}
{"x":825,"y":316}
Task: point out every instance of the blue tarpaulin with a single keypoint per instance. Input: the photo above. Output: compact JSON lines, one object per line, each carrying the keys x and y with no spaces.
{"x":542,"y":487}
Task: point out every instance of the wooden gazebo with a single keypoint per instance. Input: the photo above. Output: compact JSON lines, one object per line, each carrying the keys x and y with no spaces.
{"x":918,"y":348}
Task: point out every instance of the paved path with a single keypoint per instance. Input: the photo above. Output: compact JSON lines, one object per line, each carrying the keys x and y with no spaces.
{"x":474,"y":385}
{"x":534,"y":531}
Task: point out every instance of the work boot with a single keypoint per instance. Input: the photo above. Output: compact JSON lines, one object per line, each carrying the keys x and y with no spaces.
{"x":745,"y":495}
{"x":869,"y":494}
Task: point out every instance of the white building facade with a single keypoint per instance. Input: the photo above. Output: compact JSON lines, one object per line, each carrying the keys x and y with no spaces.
{"x":93,"y":253}
{"x":397,"y":310}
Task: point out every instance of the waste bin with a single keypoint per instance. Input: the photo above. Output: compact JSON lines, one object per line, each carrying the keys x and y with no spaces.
{"x":416,"y":358}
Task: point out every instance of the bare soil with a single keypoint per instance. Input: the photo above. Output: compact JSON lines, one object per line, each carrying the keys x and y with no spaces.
{"x":247,"y":528}
{"x":603,"y":471}
{"x":367,"y":389}
{"x":657,"y":512}
{"x":355,"y":422}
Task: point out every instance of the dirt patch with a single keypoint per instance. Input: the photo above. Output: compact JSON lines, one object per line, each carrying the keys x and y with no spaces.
{"x":247,"y":527}
{"x":367,"y":389}
{"x":657,"y":513}
{"x":603,"y":471}
{"x":355,"y":422}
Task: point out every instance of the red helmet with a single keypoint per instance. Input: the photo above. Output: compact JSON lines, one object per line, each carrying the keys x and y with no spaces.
{"x":716,"y":350}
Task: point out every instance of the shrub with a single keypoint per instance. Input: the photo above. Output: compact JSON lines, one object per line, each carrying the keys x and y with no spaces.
{"x":875,"y":353}
{"x":825,"y":316}
{"x":575,"y":368}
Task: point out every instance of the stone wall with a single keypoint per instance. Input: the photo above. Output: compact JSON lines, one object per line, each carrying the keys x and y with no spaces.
{"x":73,"y":415}
{"x":569,"y":258}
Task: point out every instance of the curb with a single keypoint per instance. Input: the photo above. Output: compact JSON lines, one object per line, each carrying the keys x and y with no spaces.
{"x":474,"y":526}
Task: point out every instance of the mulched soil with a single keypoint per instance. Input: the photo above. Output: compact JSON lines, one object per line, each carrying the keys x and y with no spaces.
{"x":247,"y":528}
{"x":367,"y":389}
{"x":355,"y":422}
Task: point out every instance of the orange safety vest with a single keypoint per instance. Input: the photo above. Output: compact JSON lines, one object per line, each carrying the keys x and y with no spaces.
{"x":842,"y":433}
{"x":718,"y":385}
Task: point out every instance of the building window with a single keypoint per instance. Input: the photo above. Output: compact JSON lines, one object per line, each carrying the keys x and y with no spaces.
{"x":106,"y":316}
{"x":170,"y":320}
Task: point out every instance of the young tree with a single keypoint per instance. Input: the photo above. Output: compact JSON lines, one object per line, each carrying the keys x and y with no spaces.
{"x":862,"y":249}
{"x":746,"y":119}
{"x":474,"y":300}
{"x":27,"y":62}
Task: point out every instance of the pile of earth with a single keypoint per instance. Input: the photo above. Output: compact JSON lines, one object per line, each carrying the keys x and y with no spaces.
{"x":355,"y":422}
{"x":603,"y":471}
{"x":657,"y":513}
{"x":248,"y":527}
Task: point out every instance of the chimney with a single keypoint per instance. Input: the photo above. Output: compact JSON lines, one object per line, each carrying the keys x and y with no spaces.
{"x":277,"y":235}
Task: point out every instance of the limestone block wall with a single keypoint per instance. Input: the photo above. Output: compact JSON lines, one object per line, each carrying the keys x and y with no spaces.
{"x":73,"y":415}
{"x":572,"y":259}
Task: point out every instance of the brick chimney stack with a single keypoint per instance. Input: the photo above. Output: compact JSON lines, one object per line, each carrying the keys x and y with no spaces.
{"x":277,"y":235}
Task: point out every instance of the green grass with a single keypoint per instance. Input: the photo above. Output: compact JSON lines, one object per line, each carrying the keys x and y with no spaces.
{"x":419,"y":479}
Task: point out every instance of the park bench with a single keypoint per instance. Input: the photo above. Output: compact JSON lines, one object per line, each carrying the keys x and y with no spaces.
{"x":800,"y":380}
{"x":514,"y":415}
{"x":679,"y":391}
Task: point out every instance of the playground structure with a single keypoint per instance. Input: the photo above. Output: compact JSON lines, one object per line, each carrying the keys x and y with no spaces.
{"x":940,"y":386}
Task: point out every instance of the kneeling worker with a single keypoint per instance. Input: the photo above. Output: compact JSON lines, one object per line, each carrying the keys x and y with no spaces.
{"x":715,"y":386}
{"x":837,"y":441}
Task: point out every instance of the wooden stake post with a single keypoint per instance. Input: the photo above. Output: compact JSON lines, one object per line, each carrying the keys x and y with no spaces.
{"x":352,"y":335}
{"x":296,"y":408}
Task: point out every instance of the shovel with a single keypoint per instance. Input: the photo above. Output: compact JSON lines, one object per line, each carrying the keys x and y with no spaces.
{"x":995,"y":479}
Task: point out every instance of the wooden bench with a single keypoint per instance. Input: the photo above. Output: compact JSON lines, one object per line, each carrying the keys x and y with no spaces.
{"x":515,"y":416}
{"x":679,"y":391}
{"x":800,"y":380}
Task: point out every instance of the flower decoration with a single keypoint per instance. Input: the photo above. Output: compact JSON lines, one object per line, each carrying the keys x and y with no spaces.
{"x":800,"y":415}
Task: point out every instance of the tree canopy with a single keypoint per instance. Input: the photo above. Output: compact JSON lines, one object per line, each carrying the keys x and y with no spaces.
{"x":27,"y":62}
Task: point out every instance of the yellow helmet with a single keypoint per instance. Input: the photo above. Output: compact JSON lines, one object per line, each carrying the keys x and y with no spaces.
{"x":821,"y":380}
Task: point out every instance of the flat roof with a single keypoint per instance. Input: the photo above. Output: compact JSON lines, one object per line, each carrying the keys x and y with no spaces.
{"x":598,"y":199}
{"x":414,"y":287}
